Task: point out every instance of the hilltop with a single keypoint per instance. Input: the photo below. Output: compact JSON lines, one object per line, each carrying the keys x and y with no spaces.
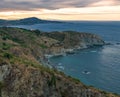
{"x":25,"y":21}
{"x":22,"y":73}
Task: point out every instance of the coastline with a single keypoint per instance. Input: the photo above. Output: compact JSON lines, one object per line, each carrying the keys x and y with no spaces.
{"x":22,"y":59}
{"x":45,"y":60}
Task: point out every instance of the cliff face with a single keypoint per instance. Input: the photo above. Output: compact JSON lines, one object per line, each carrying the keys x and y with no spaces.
{"x":26,"y":81}
{"x":70,"y":41}
{"x":22,"y":74}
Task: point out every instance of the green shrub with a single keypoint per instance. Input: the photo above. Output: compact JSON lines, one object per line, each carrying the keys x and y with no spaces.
{"x":52,"y":81}
{"x":18,"y":40}
{"x":5,"y":37}
{"x":7,"y":55}
{"x":5,"y":46}
{"x":43,"y":46}
{"x":37,"y":32}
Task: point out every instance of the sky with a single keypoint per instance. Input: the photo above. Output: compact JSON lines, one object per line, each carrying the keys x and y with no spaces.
{"x":61,"y":9}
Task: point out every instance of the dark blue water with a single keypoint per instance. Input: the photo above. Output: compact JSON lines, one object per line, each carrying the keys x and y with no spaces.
{"x":99,"y":67}
{"x":102,"y":65}
{"x":110,"y":31}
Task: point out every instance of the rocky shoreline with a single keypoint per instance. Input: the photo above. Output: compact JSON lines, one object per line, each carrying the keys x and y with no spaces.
{"x":65,"y":52}
{"x":70,"y":42}
{"x":68,"y":51}
{"x":22,"y":70}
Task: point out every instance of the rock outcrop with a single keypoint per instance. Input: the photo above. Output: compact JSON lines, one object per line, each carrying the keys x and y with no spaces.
{"x":23,"y":75}
{"x":69,"y":41}
{"x":26,"y":81}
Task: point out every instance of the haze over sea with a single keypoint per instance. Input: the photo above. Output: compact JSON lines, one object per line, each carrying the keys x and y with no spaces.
{"x":99,"y":66}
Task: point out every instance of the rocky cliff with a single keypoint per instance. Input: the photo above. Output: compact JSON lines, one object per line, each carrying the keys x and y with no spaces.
{"x":20,"y":80}
{"x":69,"y":41}
{"x":22,"y":74}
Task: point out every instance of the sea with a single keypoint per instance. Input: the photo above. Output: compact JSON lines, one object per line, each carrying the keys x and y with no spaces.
{"x":97,"y":66}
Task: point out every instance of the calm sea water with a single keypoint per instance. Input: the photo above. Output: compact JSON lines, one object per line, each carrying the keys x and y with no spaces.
{"x":100,"y":66}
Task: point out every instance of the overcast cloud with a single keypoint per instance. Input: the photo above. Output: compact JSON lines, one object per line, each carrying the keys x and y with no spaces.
{"x":53,"y":4}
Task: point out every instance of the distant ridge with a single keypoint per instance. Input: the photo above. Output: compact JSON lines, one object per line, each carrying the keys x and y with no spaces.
{"x":25,"y":21}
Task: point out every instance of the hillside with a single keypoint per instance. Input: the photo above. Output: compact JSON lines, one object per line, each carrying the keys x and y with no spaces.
{"x":25,"y":21}
{"x":22,"y":74}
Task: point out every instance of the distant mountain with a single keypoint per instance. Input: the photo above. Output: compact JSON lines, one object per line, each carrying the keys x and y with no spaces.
{"x":25,"y":21}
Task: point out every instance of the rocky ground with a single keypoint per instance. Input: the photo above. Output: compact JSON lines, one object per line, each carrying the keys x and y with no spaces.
{"x":23,"y":75}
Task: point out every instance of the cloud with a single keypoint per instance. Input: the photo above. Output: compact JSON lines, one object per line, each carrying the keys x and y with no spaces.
{"x":53,"y":4}
{"x":83,"y":13}
{"x":105,"y":3}
{"x":61,"y":9}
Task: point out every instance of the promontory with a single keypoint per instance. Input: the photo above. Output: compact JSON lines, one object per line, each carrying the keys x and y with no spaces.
{"x":22,"y":74}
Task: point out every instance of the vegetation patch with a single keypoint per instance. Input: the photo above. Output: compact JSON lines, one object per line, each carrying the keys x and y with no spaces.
{"x":6,"y":46}
{"x":7,"y":55}
{"x":1,"y":87}
{"x":43,"y":46}
{"x":77,"y":81}
{"x":52,"y":81}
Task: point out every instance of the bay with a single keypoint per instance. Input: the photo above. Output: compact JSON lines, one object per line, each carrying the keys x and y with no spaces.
{"x":99,"y":66}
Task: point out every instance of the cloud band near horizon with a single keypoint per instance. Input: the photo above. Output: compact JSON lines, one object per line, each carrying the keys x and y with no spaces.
{"x":54,"y":4}
{"x":60,"y":9}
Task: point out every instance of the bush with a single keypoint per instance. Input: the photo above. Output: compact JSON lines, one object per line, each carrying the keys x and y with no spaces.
{"x":5,"y":37}
{"x":7,"y":55}
{"x":52,"y":81}
{"x":5,"y":46}
{"x":37,"y":32}
{"x":43,"y":46}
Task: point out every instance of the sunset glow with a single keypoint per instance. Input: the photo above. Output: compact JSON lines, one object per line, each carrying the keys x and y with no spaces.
{"x":101,"y":10}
